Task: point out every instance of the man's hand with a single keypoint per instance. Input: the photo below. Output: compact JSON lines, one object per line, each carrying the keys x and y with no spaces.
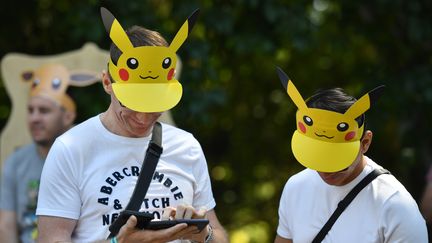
{"x":188,"y":212}
{"x":128,"y":233}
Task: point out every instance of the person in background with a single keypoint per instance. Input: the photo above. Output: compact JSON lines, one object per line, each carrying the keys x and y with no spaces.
{"x":93,"y":168}
{"x":51,"y":112}
{"x":426,"y":200}
{"x":331,"y":141}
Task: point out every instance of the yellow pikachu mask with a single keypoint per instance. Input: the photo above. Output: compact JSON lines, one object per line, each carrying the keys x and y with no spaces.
{"x":144,"y":75}
{"x":327,"y":141}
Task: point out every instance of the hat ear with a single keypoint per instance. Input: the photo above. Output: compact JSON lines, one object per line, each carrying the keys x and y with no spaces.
{"x":83,"y":78}
{"x":283,"y":77}
{"x":184,"y":31}
{"x":365,"y":102}
{"x":292,"y":91}
{"x":115,"y":30}
{"x":375,"y":94}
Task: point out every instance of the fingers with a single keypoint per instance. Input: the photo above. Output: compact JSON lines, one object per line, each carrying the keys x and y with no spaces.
{"x":128,"y":232}
{"x":201,"y":213}
{"x":128,"y":229}
{"x":183,"y":212}
{"x":131,"y":222}
{"x":168,"y":213}
{"x":176,"y":232}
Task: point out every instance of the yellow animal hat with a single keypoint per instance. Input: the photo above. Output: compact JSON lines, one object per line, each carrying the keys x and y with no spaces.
{"x":52,"y":80}
{"x":327,"y":141}
{"x":144,"y":76}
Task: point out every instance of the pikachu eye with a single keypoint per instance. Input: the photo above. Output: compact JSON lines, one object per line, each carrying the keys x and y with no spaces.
{"x":342,"y":127}
{"x":132,"y":63}
{"x":166,"y":63}
{"x":308,"y":120}
{"x":56,"y":83}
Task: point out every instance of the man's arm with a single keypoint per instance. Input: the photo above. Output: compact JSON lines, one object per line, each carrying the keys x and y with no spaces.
{"x":57,"y":229}
{"x":279,"y":239}
{"x":219,"y":233}
{"x":53,"y":229}
{"x":426,"y":203}
{"x":8,"y":196}
{"x":8,"y":227}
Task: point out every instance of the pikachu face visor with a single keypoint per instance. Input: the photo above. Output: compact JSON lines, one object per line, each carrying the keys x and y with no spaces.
{"x":324,"y":140}
{"x":144,"y":76}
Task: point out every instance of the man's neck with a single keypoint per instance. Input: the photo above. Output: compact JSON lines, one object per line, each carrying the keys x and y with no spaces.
{"x":43,"y":150}
{"x":357,"y":169}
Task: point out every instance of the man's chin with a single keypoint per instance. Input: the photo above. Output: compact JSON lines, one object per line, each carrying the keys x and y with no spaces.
{"x":42,"y":142}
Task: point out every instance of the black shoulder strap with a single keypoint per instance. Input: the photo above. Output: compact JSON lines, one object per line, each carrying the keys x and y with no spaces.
{"x":154,"y":150}
{"x":346,"y":201}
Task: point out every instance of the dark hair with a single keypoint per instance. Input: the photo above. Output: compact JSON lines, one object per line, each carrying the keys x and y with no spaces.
{"x":333,"y":100}
{"x":139,"y":36}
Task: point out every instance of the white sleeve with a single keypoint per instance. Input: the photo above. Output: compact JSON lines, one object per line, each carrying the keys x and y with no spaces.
{"x":59,"y":189}
{"x":283,"y":229}
{"x":402,"y":221}
{"x":203,"y":195}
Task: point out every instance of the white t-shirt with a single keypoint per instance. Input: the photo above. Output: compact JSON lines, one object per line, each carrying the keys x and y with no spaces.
{"x":90,"y":174}
{"x":383,"y":211}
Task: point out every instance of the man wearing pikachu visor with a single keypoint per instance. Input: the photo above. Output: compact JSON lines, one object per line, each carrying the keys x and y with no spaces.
{"x":92,"y":170}
{"x":330,"y":141}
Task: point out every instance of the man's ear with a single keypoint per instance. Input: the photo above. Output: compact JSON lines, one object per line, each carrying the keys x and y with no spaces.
{"x":366,"y":141}
{"x":106,"y":82}
{"x":69,"y":118}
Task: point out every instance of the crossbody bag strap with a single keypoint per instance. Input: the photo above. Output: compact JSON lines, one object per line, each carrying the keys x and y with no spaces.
{"x":153,"y":153}
{"x":346,"y":201}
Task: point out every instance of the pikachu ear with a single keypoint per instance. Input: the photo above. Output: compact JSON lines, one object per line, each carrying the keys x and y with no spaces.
{"x":115,"y":30}
{"x":292,"y":91}
{"x":184,"y":31}
{"x":375,"y":94}
{"x":365,"y":102}
{"x":283,"y":77}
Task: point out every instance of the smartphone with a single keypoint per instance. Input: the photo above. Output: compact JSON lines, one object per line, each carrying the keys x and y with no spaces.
{"x":163,"y":224}
{"x":144,"y":221}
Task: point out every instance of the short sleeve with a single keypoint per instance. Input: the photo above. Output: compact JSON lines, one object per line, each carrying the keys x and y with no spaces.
{"x":402,"y":221}
{"x":283,"y":228}
{"x":8,"y":186}
{"x":59,"y":189}
{"x":203,"y":195}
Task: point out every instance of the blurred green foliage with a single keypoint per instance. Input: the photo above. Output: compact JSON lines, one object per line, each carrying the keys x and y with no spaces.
{"x":233,"y":101}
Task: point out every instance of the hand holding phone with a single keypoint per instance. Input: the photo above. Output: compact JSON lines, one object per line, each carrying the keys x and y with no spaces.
{"x":157,"y":225}
{"x":144,"y":221}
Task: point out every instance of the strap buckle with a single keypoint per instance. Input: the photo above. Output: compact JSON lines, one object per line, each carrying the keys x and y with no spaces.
{"x":155,"y":149}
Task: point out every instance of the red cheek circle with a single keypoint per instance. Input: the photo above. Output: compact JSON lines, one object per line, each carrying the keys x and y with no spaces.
{"x":350,"y":136}
{"x":302,"y":127}
{"x":124,"y":75}
{"x":171,"y":73}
